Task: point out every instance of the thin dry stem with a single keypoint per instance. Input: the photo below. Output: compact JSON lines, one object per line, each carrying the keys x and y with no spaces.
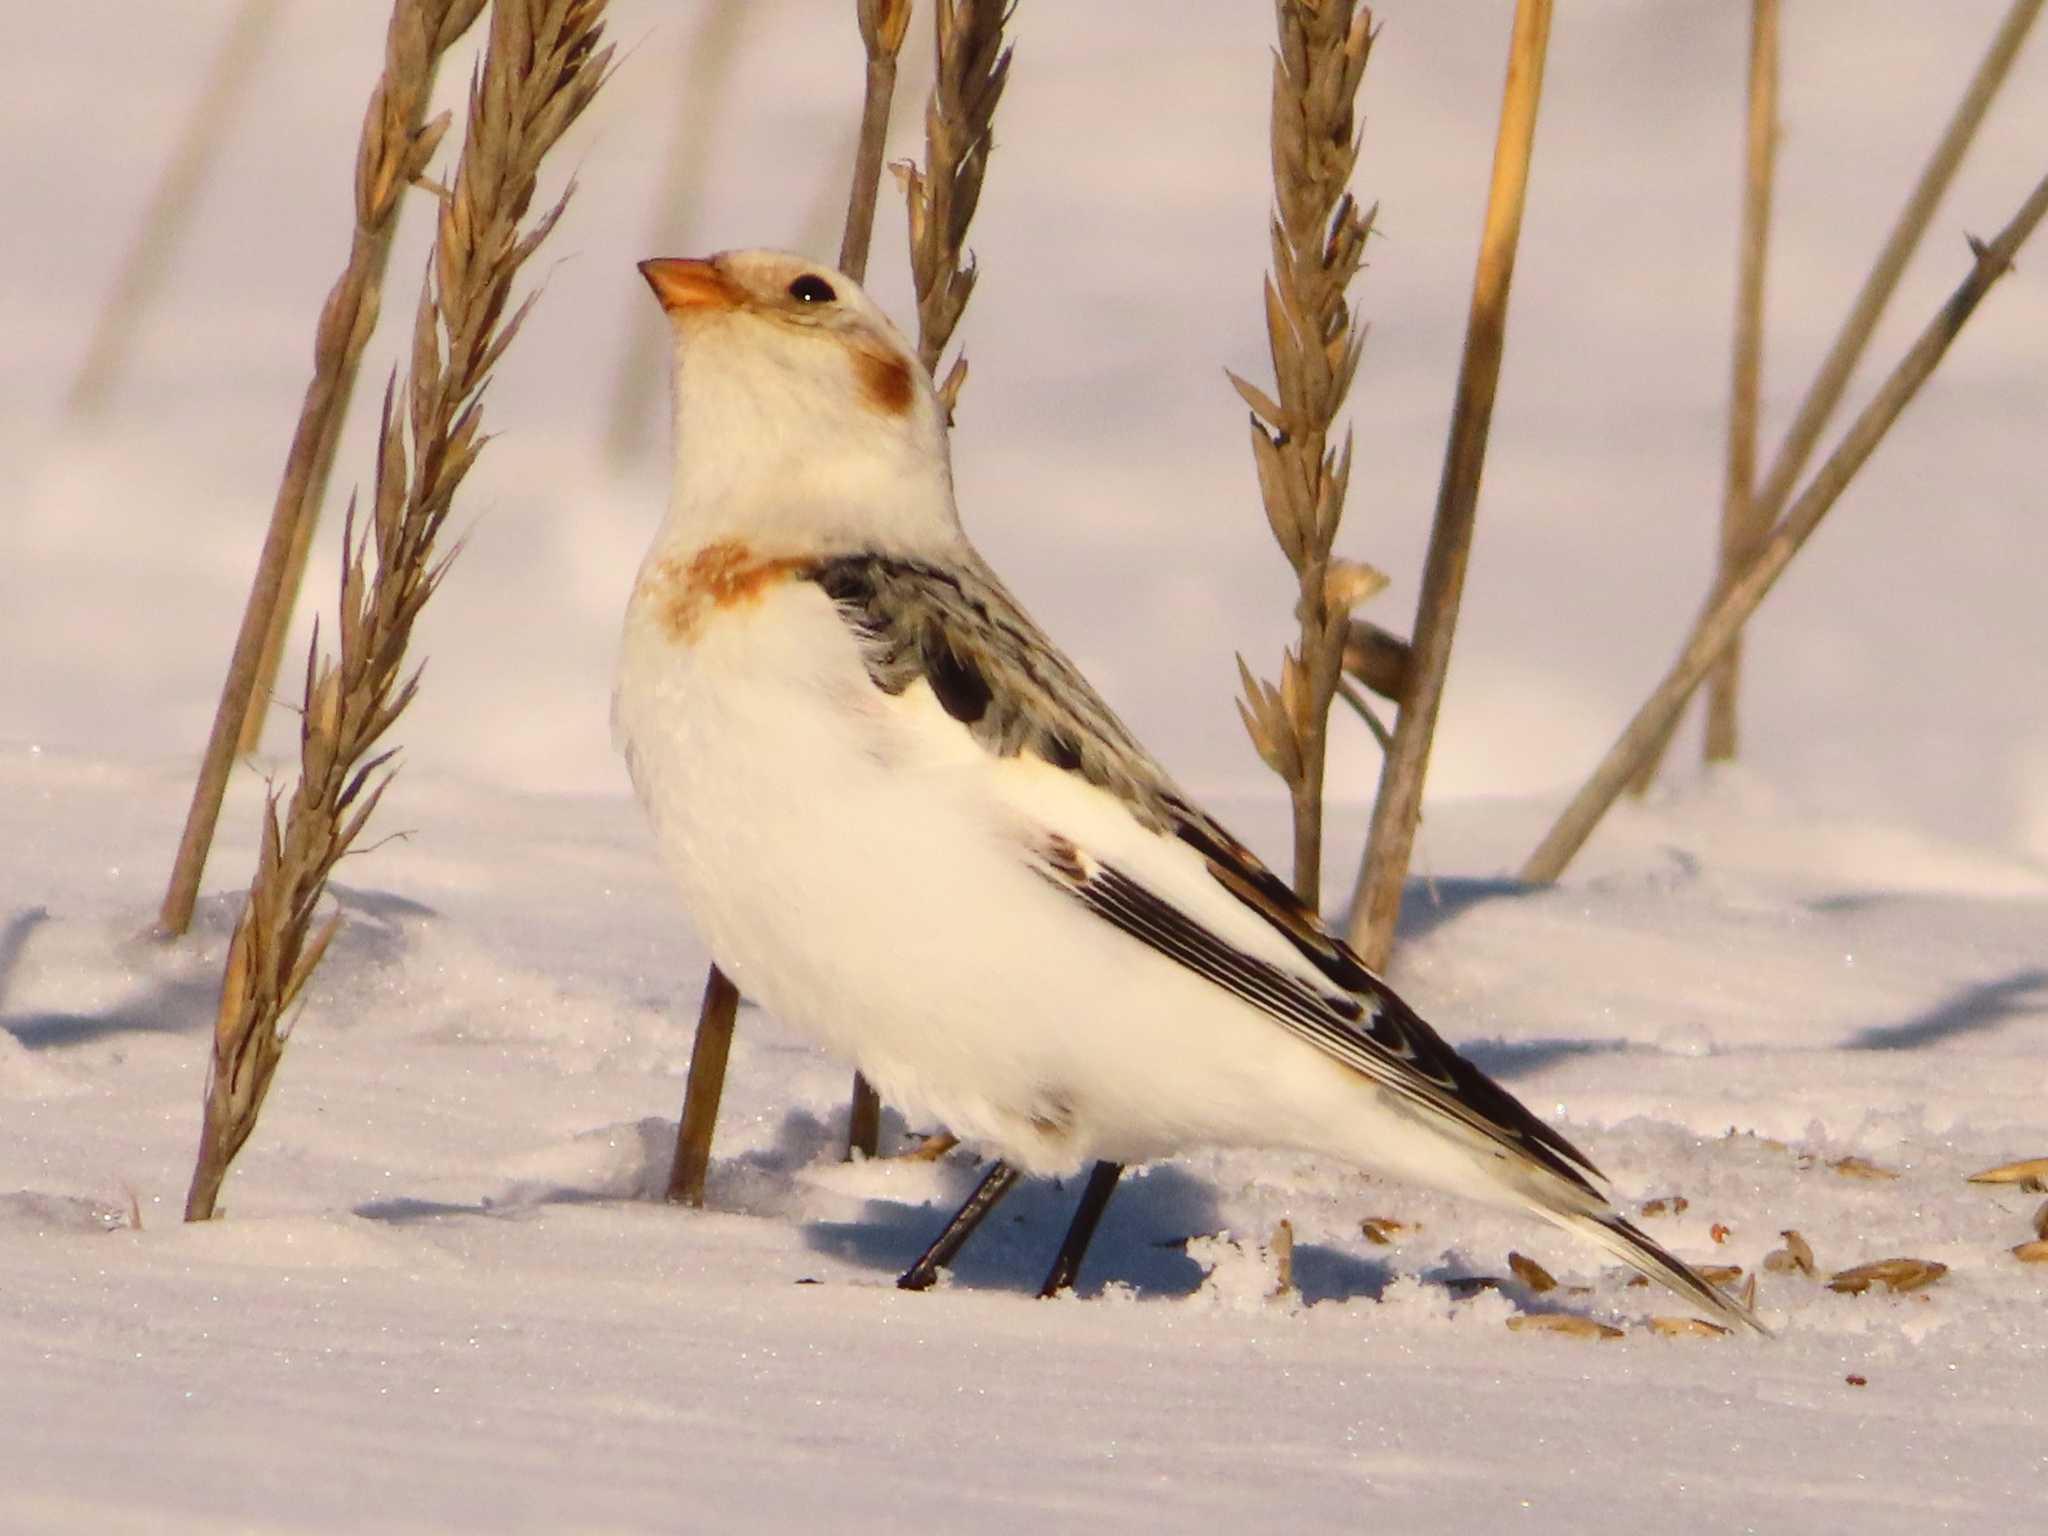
{"x":1741,"y":529}
{"x":541,"y":69}
{"x":257,"y":714}
{"x":163,"y":225}
{"x":883,"y":24}
{"x":394,"y":148}
{"x":959,"y":121}
{"x":703,"y":1089}
{"x":1716,"y":628}
{"x":1376,"y":905}
{"x":1860,"y":324}
{"x":1318,"y":236}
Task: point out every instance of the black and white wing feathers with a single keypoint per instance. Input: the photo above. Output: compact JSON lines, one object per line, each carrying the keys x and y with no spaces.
{"x":990,"y":668}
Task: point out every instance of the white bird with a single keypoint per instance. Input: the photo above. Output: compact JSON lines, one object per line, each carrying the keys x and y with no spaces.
{"x":903,"y":821}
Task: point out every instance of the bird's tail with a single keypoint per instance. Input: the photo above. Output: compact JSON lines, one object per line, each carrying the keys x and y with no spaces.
{"x":1646,"y":1256}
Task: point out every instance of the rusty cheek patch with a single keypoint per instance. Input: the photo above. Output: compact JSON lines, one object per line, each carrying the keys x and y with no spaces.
{"x":719,"y":576}
{"x":885,"y":381}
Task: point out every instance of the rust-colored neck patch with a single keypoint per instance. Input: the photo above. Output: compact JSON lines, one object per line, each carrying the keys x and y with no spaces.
{"x":885,"y":381}
{"x":719,"y":576}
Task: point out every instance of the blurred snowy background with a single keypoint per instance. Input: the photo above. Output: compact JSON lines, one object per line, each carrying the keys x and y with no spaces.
{"x":1101,"y":456}
{"x":446,"y":1297}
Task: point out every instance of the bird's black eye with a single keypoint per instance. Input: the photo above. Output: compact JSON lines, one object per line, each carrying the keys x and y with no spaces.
{"x":811,"y":289}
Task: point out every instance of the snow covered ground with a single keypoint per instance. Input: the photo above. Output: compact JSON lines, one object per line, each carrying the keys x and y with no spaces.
{"x":443,"y":1297}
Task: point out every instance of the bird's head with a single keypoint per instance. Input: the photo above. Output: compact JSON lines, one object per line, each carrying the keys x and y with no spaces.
{"x":799,"y":409}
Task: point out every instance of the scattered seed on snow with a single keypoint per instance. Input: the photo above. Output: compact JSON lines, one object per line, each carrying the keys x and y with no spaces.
{"x":1562,"y":1322}
{"x":1898,"y":1275}
{"x":1686,"y":1328}
{"x":2031,"y":1174}
{"x":1860,"y":1168}
{"x":1531,"y":1274}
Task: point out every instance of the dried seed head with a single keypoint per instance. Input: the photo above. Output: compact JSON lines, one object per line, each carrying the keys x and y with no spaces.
{"x":2041,"y":1220}
{"x":1894,"y":1274}
{"x":1381,"y":1229}
{"x":1719,"y":1274}
{"x":2035,"y":1252}
{"x":1570,"y":1325}
{"x":1666,"y":1205}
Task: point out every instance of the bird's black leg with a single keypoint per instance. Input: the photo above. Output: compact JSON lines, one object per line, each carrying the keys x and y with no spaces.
{"x":994,"y":1185}
{"x":1066,"y":1264}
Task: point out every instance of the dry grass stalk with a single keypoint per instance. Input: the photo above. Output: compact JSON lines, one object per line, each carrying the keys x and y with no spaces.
{"x":1724,"y":620}
{"x":271,"y":657}
{"x":1318,"y":234}
{"x":541,"y":69}
{"x":882,"y":26}
{"x":163,"y":224}
{"x":959,"y":126}
{"x":1860,"y":324}
{"x":710,"y":1049}
{"x":1741,"y":529}
{"x":394,"y":148}
{"x":972,"y":68}
{"x":1376,"y":903}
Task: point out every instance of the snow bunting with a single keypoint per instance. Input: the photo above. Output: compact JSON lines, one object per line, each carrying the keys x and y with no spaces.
{"x":903,"y":821}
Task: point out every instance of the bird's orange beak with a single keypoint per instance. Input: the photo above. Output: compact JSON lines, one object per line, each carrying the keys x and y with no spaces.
{"x":685,"y":282}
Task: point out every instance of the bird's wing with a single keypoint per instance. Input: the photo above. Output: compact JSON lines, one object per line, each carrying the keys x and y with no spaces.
{"x":1180,"y":884}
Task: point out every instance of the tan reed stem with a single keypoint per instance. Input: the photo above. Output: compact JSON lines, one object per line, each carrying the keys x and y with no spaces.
{"x":393,"y":150}
{"x":1716,"y":628}
{"x":972,"y":67}
{"x":1376,"y":904}
{"x":1860,"y":324}
{"x":541,"y":69}
{"x":1318,"y":236}
{"x":710,"y":1049}
{"x":883,"y":24}
{"x":257,"y":714}
{"x":163,"y":225}
{"x":1741,"y":530}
